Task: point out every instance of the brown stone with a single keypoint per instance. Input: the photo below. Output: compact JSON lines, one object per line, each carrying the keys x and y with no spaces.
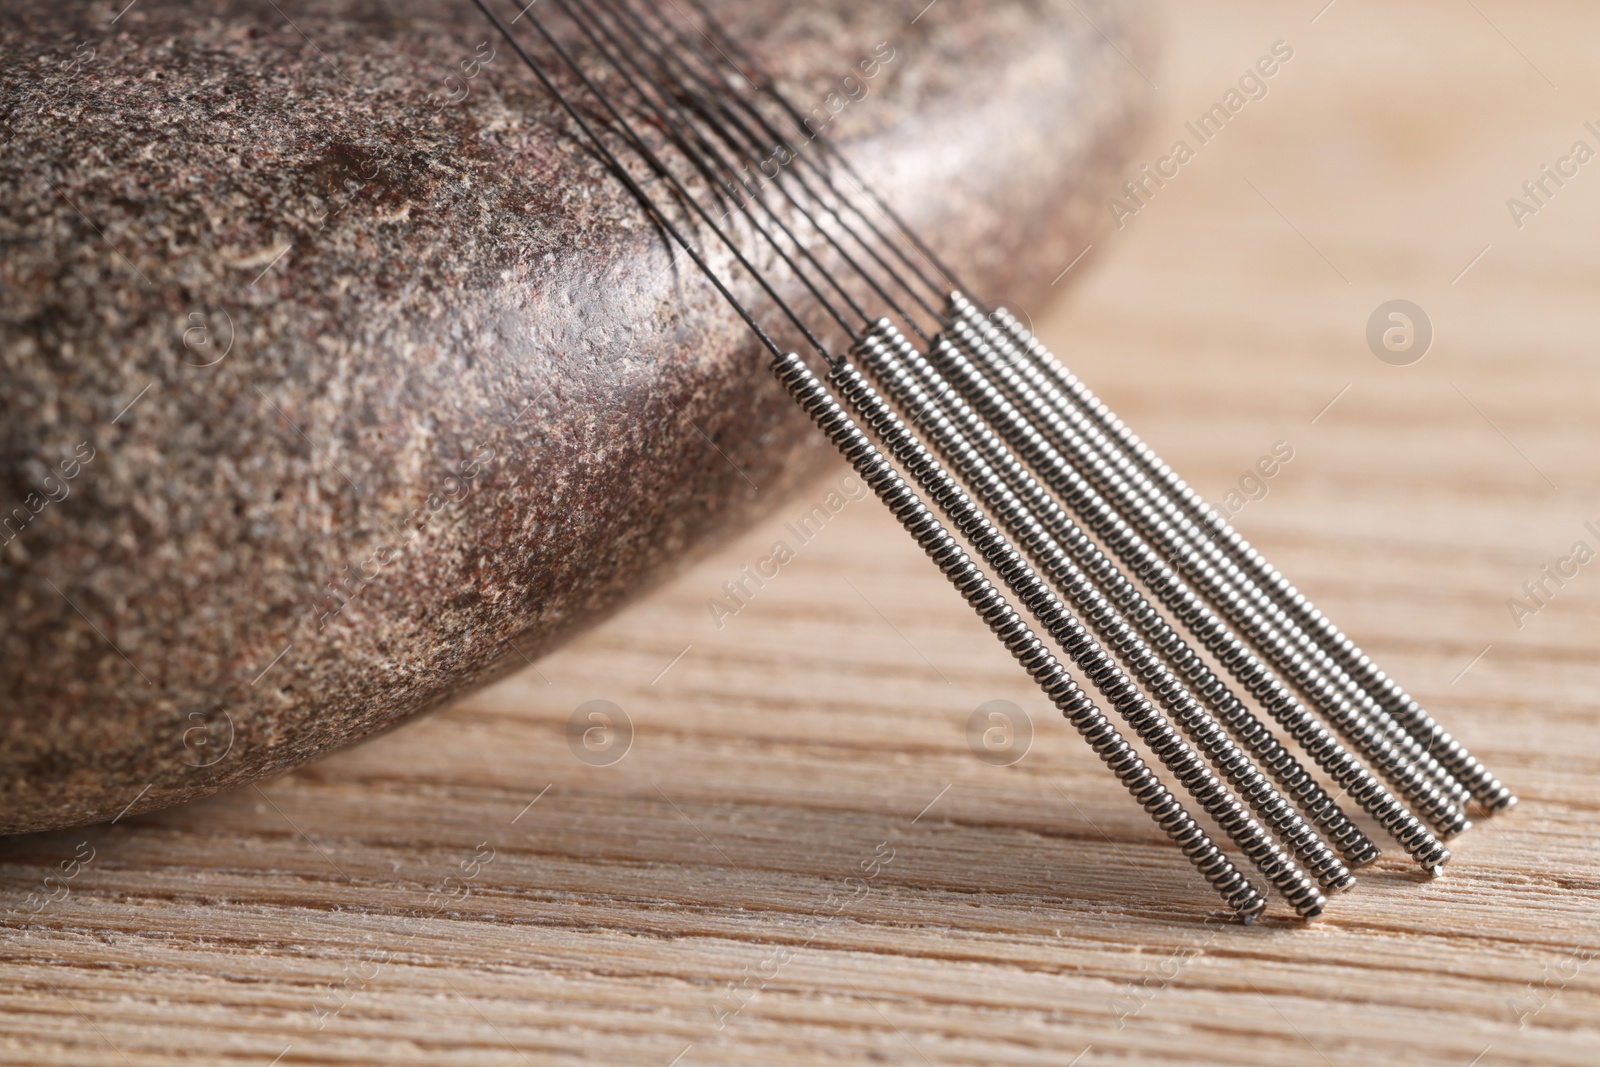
{"x":326,"y":395}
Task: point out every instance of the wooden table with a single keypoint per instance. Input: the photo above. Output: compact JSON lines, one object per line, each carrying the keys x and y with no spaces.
{"x":800,"y":858}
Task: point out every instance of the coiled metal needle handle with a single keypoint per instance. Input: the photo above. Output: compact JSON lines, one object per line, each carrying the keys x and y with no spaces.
{"x":1176,"y":754}
{"x":1001,"y":618}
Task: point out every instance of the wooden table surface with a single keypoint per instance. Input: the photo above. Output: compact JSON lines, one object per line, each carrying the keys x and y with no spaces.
{"x":799,"y":857}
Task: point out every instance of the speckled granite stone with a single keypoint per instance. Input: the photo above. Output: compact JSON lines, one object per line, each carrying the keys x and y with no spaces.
{"x":327,"y":370}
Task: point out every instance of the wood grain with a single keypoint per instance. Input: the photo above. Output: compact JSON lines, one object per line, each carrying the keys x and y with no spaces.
{"x":1029,"y":914}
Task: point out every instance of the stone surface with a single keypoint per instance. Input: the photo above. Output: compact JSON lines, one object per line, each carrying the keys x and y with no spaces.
{"x":335,"y":381}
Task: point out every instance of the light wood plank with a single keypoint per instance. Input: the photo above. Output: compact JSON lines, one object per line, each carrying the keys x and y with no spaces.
{"x":1030,"y":914}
